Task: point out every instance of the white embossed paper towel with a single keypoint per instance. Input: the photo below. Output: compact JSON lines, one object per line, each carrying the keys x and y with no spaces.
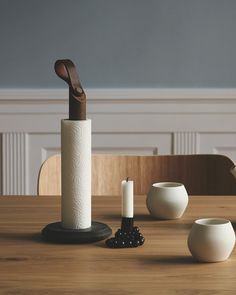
{"x":76,"y":173}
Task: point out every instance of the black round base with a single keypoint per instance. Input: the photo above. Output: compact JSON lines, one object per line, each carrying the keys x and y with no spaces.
{"x":54,"y":233}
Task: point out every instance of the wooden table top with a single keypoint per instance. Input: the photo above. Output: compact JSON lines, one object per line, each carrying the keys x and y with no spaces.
{"x":163,"y":265}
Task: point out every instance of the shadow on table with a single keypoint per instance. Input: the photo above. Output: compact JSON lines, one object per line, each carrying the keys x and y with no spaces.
{"x":141,"y":217}
{"x":137,"y":217}
{"x":169,"y":259}
{"x":33,"y":237}
{"x":176,"y":224}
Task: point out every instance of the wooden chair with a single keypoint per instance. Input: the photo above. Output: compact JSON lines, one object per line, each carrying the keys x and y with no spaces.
{"x":201,"y":174}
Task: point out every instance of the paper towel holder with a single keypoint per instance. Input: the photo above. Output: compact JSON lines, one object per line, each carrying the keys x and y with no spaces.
{"x":54,"y":232}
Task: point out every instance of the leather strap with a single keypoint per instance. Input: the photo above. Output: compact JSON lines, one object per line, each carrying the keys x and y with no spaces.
{"x":66,"y":70}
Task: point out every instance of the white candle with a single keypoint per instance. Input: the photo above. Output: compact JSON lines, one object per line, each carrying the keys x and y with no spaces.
{"x":127,"y":187}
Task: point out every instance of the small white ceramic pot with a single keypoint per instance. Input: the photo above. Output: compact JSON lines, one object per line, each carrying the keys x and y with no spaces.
{"x":211,"y":239}
{"x":167,"y":200}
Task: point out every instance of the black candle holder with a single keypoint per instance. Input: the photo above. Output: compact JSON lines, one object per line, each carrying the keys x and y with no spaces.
{"x":128,"y":236}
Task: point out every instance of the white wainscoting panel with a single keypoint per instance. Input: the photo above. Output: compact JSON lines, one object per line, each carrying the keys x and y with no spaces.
{"x":132,"y":143}
{"x":186,"y":143}
{"x":124,"y":121}
{"x":14,"y":163}
{"x":218,"y":143}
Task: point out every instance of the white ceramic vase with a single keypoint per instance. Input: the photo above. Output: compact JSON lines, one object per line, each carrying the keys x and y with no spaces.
{"x":211,"y":239}
{"x":167,"y":200}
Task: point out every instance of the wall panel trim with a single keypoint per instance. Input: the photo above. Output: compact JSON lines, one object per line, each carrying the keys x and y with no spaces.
{"x":104,"y":94}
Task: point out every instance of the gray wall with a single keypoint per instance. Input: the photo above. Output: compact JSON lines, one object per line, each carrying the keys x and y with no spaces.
{"x":125,"y":43}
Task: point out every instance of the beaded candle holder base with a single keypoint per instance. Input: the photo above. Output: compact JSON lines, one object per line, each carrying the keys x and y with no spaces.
{"x":55,"y":233}
{"x":128,"y":236}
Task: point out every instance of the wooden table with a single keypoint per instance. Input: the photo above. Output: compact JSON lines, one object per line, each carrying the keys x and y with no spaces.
{"x":162,"y":266}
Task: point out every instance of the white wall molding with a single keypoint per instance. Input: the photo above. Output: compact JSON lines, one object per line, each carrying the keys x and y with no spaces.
{"x":39,"y":110}
{"x":113,"y":94}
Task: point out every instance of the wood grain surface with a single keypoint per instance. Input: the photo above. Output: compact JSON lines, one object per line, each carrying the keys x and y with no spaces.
{"x":163,"y":265}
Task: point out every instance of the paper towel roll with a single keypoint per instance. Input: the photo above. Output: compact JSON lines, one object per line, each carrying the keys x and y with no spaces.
{"x":76,"y":174}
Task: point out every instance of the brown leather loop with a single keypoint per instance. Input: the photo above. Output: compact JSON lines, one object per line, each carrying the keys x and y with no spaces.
{"x":66,"y":70}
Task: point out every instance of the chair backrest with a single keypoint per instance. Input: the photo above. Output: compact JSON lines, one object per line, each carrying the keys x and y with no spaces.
{"x":201,"y":174}
{"x":49,"y":177}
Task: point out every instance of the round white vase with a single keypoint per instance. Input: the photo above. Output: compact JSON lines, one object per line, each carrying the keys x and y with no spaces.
{"x":211,"y":239}
{"x":167,"y":200}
